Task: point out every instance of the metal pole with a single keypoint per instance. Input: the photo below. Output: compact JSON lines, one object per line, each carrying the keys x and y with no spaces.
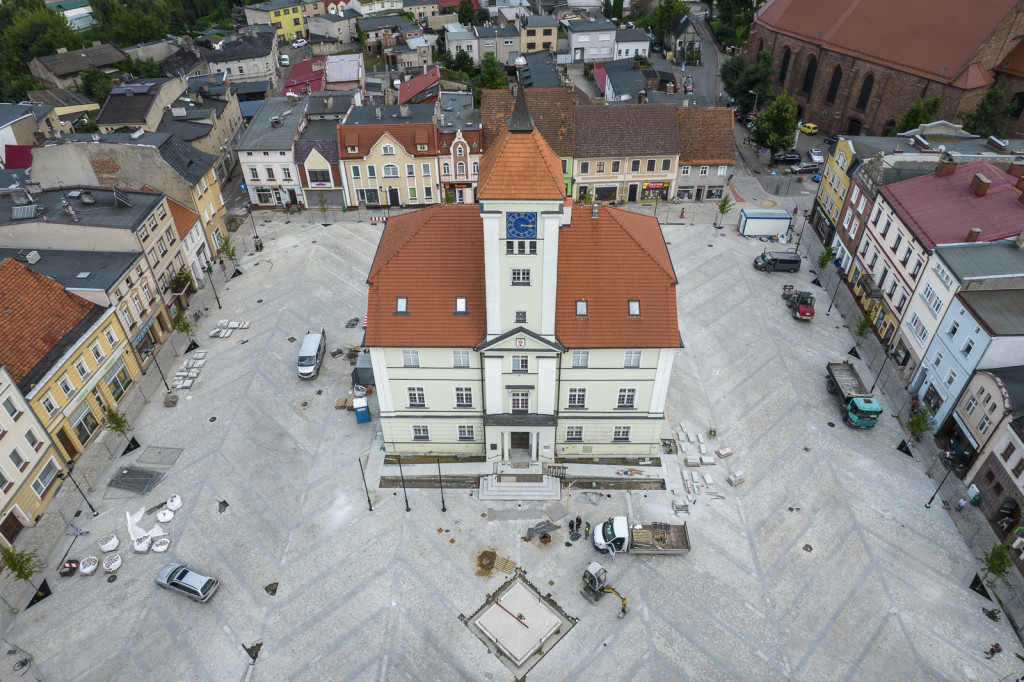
{"x":254,"y":234}
{"x":928,"y":504}
{"x":161,"y":373}
{"x":440,"y":482}
{"x":209,"y":272}
{"x":72,"y":479}
{"x":885,"y":358}
{"x":363,"y":474}
{"x":400,"y":473}
{"x":834,"y":294}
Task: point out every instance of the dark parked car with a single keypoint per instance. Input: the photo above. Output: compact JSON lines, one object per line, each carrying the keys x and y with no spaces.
{"x":189,"y":582}
{"x":786,"y":157}
{"x":804,"y":167}
{"x":830,"y":139}
{"x":655,"y":43}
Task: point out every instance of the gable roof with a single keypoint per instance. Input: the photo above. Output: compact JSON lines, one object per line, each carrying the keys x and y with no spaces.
{"x":184,"y":217}
{"x":130,"y":102}
{"x":609,"y":261}
{"x":417,"y":84}
{"x":706,"y":135}
{"x":627,"y":130}
{"x":42,"y":320}
{"x":76,"y":61}
{"x":942,"y":209}
{"x":520,"y":165}
{"x":243,"y":47}
{"x":405,"y":265}
{"x":408,"y":135}
{"x":553,"y":111}
{"x":935,"y":39}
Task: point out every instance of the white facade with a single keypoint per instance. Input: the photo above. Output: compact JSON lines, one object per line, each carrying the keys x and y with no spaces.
{"x":271,"y":177}
{"x":931,"y":298}
{"x":589,"y":45}
{"x":252,"y":69}
{"x":632,"y":48}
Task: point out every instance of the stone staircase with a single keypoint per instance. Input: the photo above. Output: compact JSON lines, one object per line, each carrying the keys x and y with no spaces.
{"x":525,"y":486}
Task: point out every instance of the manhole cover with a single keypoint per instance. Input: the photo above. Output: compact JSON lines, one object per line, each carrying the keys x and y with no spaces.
{"x":832,"y":425}
{"x":304,"y":404}
{"x":545,"y":538}
{"x":111,"y":578}
{"x":259,"y":300}
{"x":213,"y":419}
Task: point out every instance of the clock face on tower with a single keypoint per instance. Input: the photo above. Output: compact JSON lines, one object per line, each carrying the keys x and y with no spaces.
{"x":520,"y":225}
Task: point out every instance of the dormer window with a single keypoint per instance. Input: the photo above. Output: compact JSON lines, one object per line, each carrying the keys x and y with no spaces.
{"x":581,"y":308}
{"x":460,"y":304}
{"x":353,"y":150}
{"x":401,"y":305}
{"x":634,"y":308}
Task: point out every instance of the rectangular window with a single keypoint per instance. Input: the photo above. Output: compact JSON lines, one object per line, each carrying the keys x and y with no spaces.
{"x":371,"y":171}
{"x":412,"y":195}
{"x":401,"y":304}
{"x":97,"y":352}
{"x":651,"y":164}
{"x":574,"y":434}
{"x":902,"y":302}
{"x":467,"y":433}
{"x":30,"y":436}
{"x":425,"y":168}
{"x":460,"y":359}
{"x":632,"y":359}
{"x":463,"y":397}
{"x":1018,"y":468}
{"x":615,"y":166}
{"x":972,"y":403}
{"x":254,"y":174}
{"x":635,"y":165}
{"x":44,"y":478}
{"x":684,"y":171}
{"x":896,"y":242}
{"x":520,"y":364}
{"x":520,"y":402}
{"x":937,"y":360}
{"x":410,"y":358}
{"x":968,"y":347}
{"x":520,"y":317}
{"x":84,"y":423}
{"x":634,"y":308}
{"x":953,"y":328}
{"x":66,"y":386}
{"x":1007,"y":452}
{"x":580,"y":359}
{"x":520,"y":277}
{"x":950,"y":378}
{"x":421,"y":433}
{"x":5,"y":485}
{"x":319,"y":176}
{"x":581,"y":308}
{"x":118,"y":380}
{"x":599,"y":167}
{"x":984,"y":425}
{"x":12,"y":409}
{"x":621,"y":434}
{"x":577,"y":398}
{"x":584,"y":167}
{"x":49,"y":405}
{"x":666,"y":165}
{"x":356,"y":173}
{"x":626,"y":399}
{"x":270,"y":172}
{"x":460,"y":304}
{"x":19,"y":462}
{"x":704,"y":171}
{"x":82,"y":368}
{"x":416,"y":397}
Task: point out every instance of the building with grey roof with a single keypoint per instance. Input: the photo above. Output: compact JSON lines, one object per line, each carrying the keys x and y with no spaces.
{"x":266,"y":153}
{"x":405,"y":113}
{"x":138,"y":103}
{"x":590,"y":41}
{"x":541,"y":71}
{"x":246,"y":58}
{"x":62,"y":70}
{"x":85,"y":273}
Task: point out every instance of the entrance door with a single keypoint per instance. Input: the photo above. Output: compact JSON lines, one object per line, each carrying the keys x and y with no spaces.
{"x":519,"y":446}
{"x":291,"y":196}
{"x":700,"y":194}
{"x":632,"y":193}
{"x":393,"y":198}
{"x":65,"y":442}
{"x":10,"y":527}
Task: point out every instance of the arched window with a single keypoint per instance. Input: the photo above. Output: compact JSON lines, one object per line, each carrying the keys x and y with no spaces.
{"x":390,"y":171}
{"x":476,"y":168}
{"x":387,"y":150}
{"x":833,"y":86}
{"x":459,"y":151}
{"x":1016,"y":105}
{"x":812,"y":71}
{"x":760,"y":46}
{"x":865,"y":92}
{"x":460,"y":168}
{"x":446,"y":169}
{"x":784,"y":69}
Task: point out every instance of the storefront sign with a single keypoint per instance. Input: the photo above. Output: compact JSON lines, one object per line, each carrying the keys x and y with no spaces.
{"x":458,"y":185}
{"x":142,"y":333}
{"x":654,"y":185}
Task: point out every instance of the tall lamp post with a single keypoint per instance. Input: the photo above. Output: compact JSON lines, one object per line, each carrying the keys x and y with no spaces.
{"x":209,"y":271}
{"x":807,"y":214}
{"x":155,"y":362}
{"x":928,"y":504}
{"x":755,"y":99}
{"x":62,"y":475}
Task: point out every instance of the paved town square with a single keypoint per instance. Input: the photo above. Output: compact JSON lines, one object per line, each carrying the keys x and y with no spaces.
{"x":823,"y":564}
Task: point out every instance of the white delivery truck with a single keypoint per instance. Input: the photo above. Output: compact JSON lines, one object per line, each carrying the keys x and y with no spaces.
{"x":764,"y":222}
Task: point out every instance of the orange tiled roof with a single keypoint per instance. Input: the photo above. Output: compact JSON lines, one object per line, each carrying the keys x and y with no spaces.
{"x":37,"y":314}
{"x":407,"y":264}
{"x":1013,"y":63}
{"x":553,"y":111}
{"x":520,"y":166}
{"x":618,"y":257}
{"x":184,"y":218}
{"x":706,"y":135}
{"x":409,"y":135}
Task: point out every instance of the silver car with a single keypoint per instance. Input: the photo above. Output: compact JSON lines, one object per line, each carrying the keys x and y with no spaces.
{"x":815,"y":155}
{"x":187,"y":581}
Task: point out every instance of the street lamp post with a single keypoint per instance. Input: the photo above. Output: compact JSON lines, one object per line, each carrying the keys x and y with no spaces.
{"x":402,"y":474}
{"x":834,"y":294}
{"x":807,"y":214}
{"x":155,"y":362}
{"x":209,"y":271}
{"x":755,"y":99}
{"x":440,"y":482}
{"x":62,"y":475}
{"x":363,"y":475}
{"x":928,"y":504}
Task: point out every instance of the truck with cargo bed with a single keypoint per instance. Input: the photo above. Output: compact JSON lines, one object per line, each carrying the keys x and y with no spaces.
{"x":860,"y":408}
{"x":617,"y":534}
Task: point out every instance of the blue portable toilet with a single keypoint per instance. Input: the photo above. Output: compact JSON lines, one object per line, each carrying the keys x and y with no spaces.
{"x":362,"y":410}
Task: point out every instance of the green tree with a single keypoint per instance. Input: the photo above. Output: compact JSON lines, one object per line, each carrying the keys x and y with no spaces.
{"x":606,"y":10}
{"x":775,"y":127}
{"x":117,"y":422}
{"x":920,"y":112}
{"x":862,"y":327}
{"x":921,"y":421}
{"x":492,"y":76}
{"x":462,"y":62}
{"x":86,"y":124}
{"x":481,"y":17}
{"x":184,"y":325}
{"x":96,"y":84}
{"x":825,"y":257}
{"x":742,"y":82}
{"x":466,"y":12}
{"x":659,"y":22}
{"x":989,"y":119}
{"x":227,"y":250}
{"x":35,"y":33}
{"x":997,"y":562}
{"x":617,"y":9}
{"x":142,"y":68}
{"x":22,"y":564}
{"x":725,"y":204}
{"x":322,"y":205}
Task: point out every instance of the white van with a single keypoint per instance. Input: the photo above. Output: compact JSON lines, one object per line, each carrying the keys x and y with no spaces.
{"x":311,"y":354}
{"x":285,"y":60}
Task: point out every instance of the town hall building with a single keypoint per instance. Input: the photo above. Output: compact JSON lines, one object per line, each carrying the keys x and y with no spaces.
{"x":522,"y":327}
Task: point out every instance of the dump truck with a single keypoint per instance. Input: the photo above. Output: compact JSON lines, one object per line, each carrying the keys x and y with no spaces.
{"x":617,"y":534}
{"x":860,"y":408}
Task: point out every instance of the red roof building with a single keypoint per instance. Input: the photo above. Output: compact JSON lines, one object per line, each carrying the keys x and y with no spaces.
{"x":305,"y":77}
{"x":547,"y":301}
{"x":421,"y":89}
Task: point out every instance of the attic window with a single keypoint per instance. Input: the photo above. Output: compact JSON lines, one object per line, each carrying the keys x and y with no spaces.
{"x":460,"y":304}
{"x":581,"y":308}
{"x":634,"y":308}
{"x":82,"y":275}
{"x":352,"y":149}
{"x":422,"y":147}
{"x":401,"y":305}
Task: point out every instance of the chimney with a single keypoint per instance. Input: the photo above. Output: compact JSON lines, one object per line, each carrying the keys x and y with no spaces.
{"x":980,"y":184}
{"x":594,"y":214}
{"x":946,"y":165}
{"x":997,"y":144}
{"x":973,"y":234}
{"x":62,"y":50}
{"x":1016,"y":168}
{"x":378,"y":112}
{"x":403,"y":111}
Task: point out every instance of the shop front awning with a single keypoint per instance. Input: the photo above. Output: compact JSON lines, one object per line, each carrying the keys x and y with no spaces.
{"x":870,"y":289}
